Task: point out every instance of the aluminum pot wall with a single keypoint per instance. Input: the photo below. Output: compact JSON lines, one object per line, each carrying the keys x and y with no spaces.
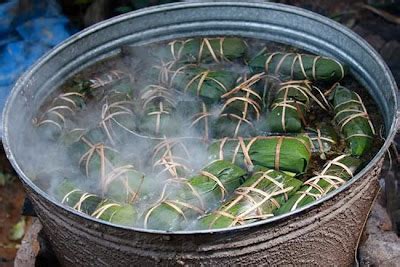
{"x":324,"y":233}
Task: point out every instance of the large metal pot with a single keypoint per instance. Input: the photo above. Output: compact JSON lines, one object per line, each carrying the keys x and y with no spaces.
{"x":324,"y":233}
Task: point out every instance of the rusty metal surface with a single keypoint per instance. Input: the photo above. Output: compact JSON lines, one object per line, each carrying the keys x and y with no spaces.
{"x":322,"y":233}
{"x":326,"y":235}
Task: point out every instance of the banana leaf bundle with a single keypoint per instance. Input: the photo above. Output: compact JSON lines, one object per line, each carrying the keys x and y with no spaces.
{"x":292,"y":66}
{"x":323,"y":139}
{"x":95,"y":206}
{"x":206,"y":84}
{"x":98,"y":85}
{"x":256,"y":199}
{"x":102,"y":163}
{"x":335,"y":173}
{"x":157,"y":106}
{"x":241,"y":110}
{"x":53,"y":121}
{"x":206,"y":50}
{"x":352,"y":118}
{"x":282,"y":153}
{"x":117,"y":116}
{"x":171,"y":157}
{"x":195,"y":116}
{"x":193,"y":196}
{"x":291,"y":104}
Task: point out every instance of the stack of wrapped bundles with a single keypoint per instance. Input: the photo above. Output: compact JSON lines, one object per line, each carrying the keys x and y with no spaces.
{"x":210,"y":138}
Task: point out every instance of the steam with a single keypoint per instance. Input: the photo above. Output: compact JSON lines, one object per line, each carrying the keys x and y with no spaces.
{"x":46,"y":152}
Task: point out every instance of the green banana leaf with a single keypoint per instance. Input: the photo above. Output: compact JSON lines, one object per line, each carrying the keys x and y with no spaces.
{"x":289,"y":109}
{"x":206,"y":84}
{"x":118,"y":119}
{"x":335,"y":173}
{"x":89,"y":149}
{"x":51,"y":123}
{"x":170,"y":157}
{"x":277,"y":152}
{"x":291,"y":66}
{"x":196,"y":117}
{"x":324,"y":139}
{"x":156,"y":108}
{"x":256,"y":199}
{"x":206,"y":50}
{"x":184,"y":199}
{"x":352,"y":118}
{"x":241,"y":110}
{"x":95,"y":206}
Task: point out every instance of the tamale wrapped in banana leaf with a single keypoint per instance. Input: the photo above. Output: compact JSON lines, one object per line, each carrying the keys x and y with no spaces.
{"x":241,"y":110}
{"x":170,"y":157}
{"x":292,"y":66}
{"x":95,"y":206}
{"x":157,"y":105}
{"x":193,"y":195}
{"x":352,"y":118}
{"x":206,"y":50}
{"x":256,"y":199}
{"x":102,"y":163}
{"x":196,"y":116}
{"x":206,"y":84}
{"x":90,"y":149}
{"x":98,"y":85}
{"x":282,"y":153}
{"x":52,"y":122}
{"x":117,"y":115}
{"x":335,"y":173}
{"x":291,"y":104}
{"x":323,"y":139}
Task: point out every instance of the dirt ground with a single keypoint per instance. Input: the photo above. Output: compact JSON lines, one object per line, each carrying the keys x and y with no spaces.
{"x":12,"y":197}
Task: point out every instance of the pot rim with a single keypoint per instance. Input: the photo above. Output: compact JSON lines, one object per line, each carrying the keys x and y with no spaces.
{"x":176,"y":6}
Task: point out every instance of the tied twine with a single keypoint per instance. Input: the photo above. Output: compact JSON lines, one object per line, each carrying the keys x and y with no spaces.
{"x":305,"y":89}
{"x":108,"y":172}
{"x":158,"y":97}
{"x":107,"y":78}
{"x":164,"y":155}
{"x":249,"y":98}
{"x":321,"y":141}
{"x":249,"y":196}
{"x":298,"y":58}
{"x":333,"y":181}
{"x":354,"y":113}
{"x":202,"y":116}
{"x":78,"y":205}
{"x":241,"y":148}
{"x":67,"y":106}
{"x":202,"y":77}
{"x":175,"y":204}
{"x":110,"y":114}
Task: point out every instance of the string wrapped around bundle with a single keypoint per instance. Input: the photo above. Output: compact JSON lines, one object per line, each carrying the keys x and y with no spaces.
{"x":256,"y":199}
{"x":118,"y":118}
{"x":281,"y":153}
{"x":291,"y":105}
{"x":171,"y":158}
{"x":193,"y":196}
{"x":204,"y":83}
{"x":323,"y":139}
{"x":352,"y":118}
{"x":100,"y":162}
{"x":104,"y":209}
{"x":53,"y":121}
{"x":206,"y":50}
{"x":241,"y":110}
{"x":335,"y":174}
{"x":156,"y":107}
{"x":294,"y":66}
